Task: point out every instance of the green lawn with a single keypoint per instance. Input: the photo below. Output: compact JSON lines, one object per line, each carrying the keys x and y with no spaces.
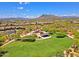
{"x":41,"y":48}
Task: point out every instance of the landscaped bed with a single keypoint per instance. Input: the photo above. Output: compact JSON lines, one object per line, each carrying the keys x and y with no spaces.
{"x":43,"y":48}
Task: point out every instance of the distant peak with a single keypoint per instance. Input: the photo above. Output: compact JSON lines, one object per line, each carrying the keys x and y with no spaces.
{"x":46,"y":15}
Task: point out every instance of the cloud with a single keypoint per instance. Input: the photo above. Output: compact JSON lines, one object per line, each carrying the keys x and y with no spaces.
{"x":24,"y":3}
{"x":31,"y":16}
{"x":20,"y":2}
{"x":20,"y":8}
{"x":73,"y":14}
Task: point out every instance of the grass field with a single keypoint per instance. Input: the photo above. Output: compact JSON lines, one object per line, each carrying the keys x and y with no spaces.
{"x":41,"y":48}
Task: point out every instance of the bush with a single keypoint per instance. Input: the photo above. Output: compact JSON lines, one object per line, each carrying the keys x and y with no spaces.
{"x":1,"y":43}
{"x":76,"y":39}
{"x":1,"y":39}
{"x":14,"y":36}
{"x":27,"y":39}
{"x":50,"y":33}
{"x":76,"y":35}
{"x":18,"y":39}
{"x":2,"y":52}
{"x":60,"y":35}
{"x":31,"y":36}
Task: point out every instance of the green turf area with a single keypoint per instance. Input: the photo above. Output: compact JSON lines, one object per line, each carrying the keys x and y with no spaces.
{"x":41,"y":48}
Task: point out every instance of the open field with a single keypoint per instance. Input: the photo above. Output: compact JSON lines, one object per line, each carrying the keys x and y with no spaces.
{"x":43,"y":48}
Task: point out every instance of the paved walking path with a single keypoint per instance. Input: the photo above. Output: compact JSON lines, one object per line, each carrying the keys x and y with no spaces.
{"x":8,"y":42}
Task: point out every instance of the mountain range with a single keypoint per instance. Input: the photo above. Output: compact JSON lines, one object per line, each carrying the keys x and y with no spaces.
{"x":42,"y":17}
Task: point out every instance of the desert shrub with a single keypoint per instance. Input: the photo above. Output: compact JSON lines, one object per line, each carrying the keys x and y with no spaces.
{"x":14,"y":36}
{"x":1,"y":43}
{"x":2,"y":52}
{"x":59,"y":53}
{"x":76,"y":34}
{"x":60,"y":35}
{"x":30,"y":38}
{"x":76,"y":39}
{"x":1,"y":40}
{"x":51,"y":32}
{"x":54,"y":31}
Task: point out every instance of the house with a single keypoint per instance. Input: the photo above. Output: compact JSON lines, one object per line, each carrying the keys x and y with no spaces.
{"x":42,"y":34}
{"x":38,"y":33}
{"x":70,"y":34}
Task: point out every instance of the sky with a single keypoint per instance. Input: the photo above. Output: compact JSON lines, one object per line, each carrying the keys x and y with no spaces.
{"x":35,"y":9}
